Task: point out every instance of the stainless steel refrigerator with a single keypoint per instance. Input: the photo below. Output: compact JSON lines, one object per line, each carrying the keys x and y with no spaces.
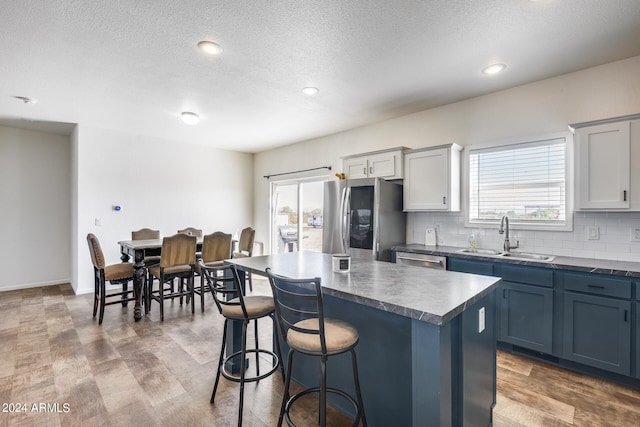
{"x":363,"y":217}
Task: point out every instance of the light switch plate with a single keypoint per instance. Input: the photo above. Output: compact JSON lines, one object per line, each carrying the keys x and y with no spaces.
{"x":593,"y":233}
{"x":481,"y":320}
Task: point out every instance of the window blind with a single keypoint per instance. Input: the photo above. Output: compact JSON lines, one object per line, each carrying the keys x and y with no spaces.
{"x":525,"y":181}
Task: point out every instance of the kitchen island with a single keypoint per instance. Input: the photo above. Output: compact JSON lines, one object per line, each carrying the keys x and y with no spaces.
{"x":427,"y":338}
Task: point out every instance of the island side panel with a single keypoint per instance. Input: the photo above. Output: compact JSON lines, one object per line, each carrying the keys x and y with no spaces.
{"x":478,"y":363}
{"x":433,"y":384}
{"x":454,"y":369}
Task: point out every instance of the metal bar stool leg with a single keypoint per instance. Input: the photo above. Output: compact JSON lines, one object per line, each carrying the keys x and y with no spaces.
{"x":224,"y":340}
{"x":322,"y":408}
{"x":255,"y":324}
{"x":276,"y":338}
{"x":242,"y":369}
{"x":287,"y":383}
{"x":360,"y":415}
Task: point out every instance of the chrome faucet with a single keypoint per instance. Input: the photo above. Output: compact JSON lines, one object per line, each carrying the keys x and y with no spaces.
{"x":504,"y":229}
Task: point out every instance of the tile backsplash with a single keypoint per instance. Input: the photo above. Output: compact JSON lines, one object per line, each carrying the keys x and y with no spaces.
{"x":614,"y":230}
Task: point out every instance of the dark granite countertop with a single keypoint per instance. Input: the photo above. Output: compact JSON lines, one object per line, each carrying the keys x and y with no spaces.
{"x":601,"y":266}
{"x":428,"y":295}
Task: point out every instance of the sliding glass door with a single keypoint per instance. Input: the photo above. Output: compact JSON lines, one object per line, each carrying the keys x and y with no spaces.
{"x":296,"y":215}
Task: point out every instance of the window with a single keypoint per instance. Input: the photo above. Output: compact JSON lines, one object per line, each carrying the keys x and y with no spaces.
{"x":526,"y":181}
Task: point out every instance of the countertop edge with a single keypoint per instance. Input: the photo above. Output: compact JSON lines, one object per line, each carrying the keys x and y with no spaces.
{"x":586,"y":265}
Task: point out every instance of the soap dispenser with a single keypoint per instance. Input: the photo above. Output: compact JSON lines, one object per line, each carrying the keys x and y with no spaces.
{"x":472,"y":241}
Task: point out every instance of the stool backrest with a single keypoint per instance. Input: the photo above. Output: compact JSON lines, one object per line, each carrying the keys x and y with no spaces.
{"x":216,"y":247}
{"x":145,"y":234}
{"x":224,"y":283}
{"x":245,"y":244}
{"x":97,"y":257}
{"x":191,"y":231}
{"x":297,"y":300}
{"x":179,"y":249}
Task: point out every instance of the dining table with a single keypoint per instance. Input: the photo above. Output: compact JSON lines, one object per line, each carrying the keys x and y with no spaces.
{"x":138,"y":250}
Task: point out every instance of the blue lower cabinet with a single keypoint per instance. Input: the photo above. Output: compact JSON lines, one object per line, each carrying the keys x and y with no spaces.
{"x":637,"y":336}
{"x":469,"y":266}
{"x":597,"y":332}
{"x":526,"y":316}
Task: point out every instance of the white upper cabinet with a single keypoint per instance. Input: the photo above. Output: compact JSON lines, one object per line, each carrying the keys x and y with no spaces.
{"x":432,"y":179}
{"x":385,"y":164}
{"x":604,"y":179}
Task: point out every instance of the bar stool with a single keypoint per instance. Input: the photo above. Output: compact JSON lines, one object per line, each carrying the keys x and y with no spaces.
{"x":300,"y":313}
{"x":224,"y":284}
{"x":216,"y":247}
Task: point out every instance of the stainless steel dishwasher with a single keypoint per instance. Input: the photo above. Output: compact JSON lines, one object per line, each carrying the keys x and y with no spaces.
{"x":421,"y":260}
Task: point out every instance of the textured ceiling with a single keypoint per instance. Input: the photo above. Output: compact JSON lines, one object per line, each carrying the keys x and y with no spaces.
{"x":134,"y":66}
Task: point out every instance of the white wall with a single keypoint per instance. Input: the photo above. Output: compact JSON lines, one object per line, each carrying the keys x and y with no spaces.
{"x":34,"y":208}
{"x":159,"y":184}
{"x":542,"y":107}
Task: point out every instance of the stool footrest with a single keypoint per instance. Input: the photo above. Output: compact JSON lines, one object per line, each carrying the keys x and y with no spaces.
{"x":228,"y":375}
{"x":306,"y":391}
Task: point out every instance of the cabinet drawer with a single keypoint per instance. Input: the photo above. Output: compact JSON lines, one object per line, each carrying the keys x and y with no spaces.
{"x":597,"y":284}
{"x":528,"y":275}
{"x":469,"y":266}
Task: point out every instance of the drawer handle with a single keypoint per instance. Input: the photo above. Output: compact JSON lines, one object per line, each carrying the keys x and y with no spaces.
{"x":624,"y":195}
{"x":430,"y":261}
{"x":504,"y":294}
{"x":625,"y":316}
{"x":596,"y":286}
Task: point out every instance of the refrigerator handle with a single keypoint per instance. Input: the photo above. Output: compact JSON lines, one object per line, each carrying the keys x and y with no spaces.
{"x":344,"y":213}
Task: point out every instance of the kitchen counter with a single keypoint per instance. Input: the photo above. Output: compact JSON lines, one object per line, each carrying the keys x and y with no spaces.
{"x":588,"y":265}
{"x":428,"y":295}
{"x":427,"y":348}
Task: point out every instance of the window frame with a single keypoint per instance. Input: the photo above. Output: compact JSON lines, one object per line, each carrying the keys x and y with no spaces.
{"x":566,"y":225}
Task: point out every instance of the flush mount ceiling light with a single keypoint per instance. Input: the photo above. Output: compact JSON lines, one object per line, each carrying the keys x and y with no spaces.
{"x":210,"y":47}
{"x":493,"y":69}
{"x":26,"y":100}
{"x":309,"y":90}
{"x":190,"y":118}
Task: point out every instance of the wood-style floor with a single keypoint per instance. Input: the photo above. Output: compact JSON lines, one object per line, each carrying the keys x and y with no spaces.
{"x":59,"y":368}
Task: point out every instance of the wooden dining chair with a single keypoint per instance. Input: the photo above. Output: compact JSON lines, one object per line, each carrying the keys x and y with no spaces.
{"x":245,"y":248}
{"x":197,"y":232}
{"x":120,"y":273}
{"x":215,"y":248}
{"x":177,"y":260}
{"x":147,"y":234}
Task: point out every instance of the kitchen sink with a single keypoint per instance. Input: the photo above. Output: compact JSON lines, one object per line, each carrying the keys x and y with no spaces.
{"x":526,"y":256}
{"x":484,"y":252}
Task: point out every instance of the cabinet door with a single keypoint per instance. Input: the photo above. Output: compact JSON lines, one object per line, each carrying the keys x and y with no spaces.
{"x":426,"y":180}
{"x":603,"y":171}
{"x":638,"y":338}
{"x":526,"y":314}
{"x":382,"y":165}
{"x":356,"y":168}
{"x":597,"y":331}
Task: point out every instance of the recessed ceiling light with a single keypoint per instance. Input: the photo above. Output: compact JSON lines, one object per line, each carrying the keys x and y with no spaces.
{"x":309,"y":90}
{"x":26,"y":100}
{"x":210,"y":48}
{"x":493,"y":69}
{"x":190,"y":118}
